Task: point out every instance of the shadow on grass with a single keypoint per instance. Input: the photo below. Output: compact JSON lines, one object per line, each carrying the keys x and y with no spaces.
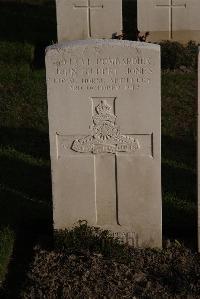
{"x":28,"y":141}
{"x":179,"y":167}
{"x":179,"y":186}
{"x":25,"y":198}
{"x":28,"y":23}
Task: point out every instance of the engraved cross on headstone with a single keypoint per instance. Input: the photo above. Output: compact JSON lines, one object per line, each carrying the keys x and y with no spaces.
{"x":171,"y":5}
{"x":105,"y":142}
{"x":89,"y":7}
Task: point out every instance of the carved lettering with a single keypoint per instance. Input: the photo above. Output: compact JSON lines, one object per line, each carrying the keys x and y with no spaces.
{"x":99,"y":74}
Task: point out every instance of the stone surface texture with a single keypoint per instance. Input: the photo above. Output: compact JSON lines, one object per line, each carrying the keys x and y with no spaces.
{"x":84,"y":19}
{"x":104,"y":104}
{"x":176,"y":20}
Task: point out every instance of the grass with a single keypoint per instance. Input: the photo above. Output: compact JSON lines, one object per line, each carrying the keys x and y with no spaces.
{"x":87,"y":262}
{"x":6,"y":248}
{"x":179,"y":118}
{"x":25,"y":178}
{"x":25,"y":186}
{"x":179,"y":103}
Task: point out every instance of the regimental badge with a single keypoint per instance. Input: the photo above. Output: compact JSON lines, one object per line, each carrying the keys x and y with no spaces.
{"x":105,"y":135}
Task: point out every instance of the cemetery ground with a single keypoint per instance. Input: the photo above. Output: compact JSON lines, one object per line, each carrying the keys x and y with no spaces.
{"x":79,"y":262}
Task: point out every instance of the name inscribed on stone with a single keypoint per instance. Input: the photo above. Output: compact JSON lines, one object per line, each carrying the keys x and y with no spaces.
{"x":103,"y":74}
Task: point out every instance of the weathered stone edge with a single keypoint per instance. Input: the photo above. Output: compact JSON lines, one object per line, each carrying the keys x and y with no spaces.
{"x":102,"y":42}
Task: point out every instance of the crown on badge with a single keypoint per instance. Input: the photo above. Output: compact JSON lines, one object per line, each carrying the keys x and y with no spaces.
{"x":103,"y":114}
{"x":103,"y":108}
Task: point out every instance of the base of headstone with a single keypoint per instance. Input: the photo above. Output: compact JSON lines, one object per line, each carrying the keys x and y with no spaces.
{"x":126,"y":235}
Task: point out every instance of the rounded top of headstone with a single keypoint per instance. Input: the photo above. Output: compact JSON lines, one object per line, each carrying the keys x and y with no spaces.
{"x":103,"y":42}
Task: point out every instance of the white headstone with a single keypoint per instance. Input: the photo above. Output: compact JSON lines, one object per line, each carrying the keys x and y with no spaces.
{"x":83,"y":19}
{"x":176,"y":20}
{"x":104,"y":104}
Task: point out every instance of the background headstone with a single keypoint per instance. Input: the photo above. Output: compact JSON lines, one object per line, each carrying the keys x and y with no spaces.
{"x":104,"y":103}
{"x":176,"y":20}
{"x":83,"y":19}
